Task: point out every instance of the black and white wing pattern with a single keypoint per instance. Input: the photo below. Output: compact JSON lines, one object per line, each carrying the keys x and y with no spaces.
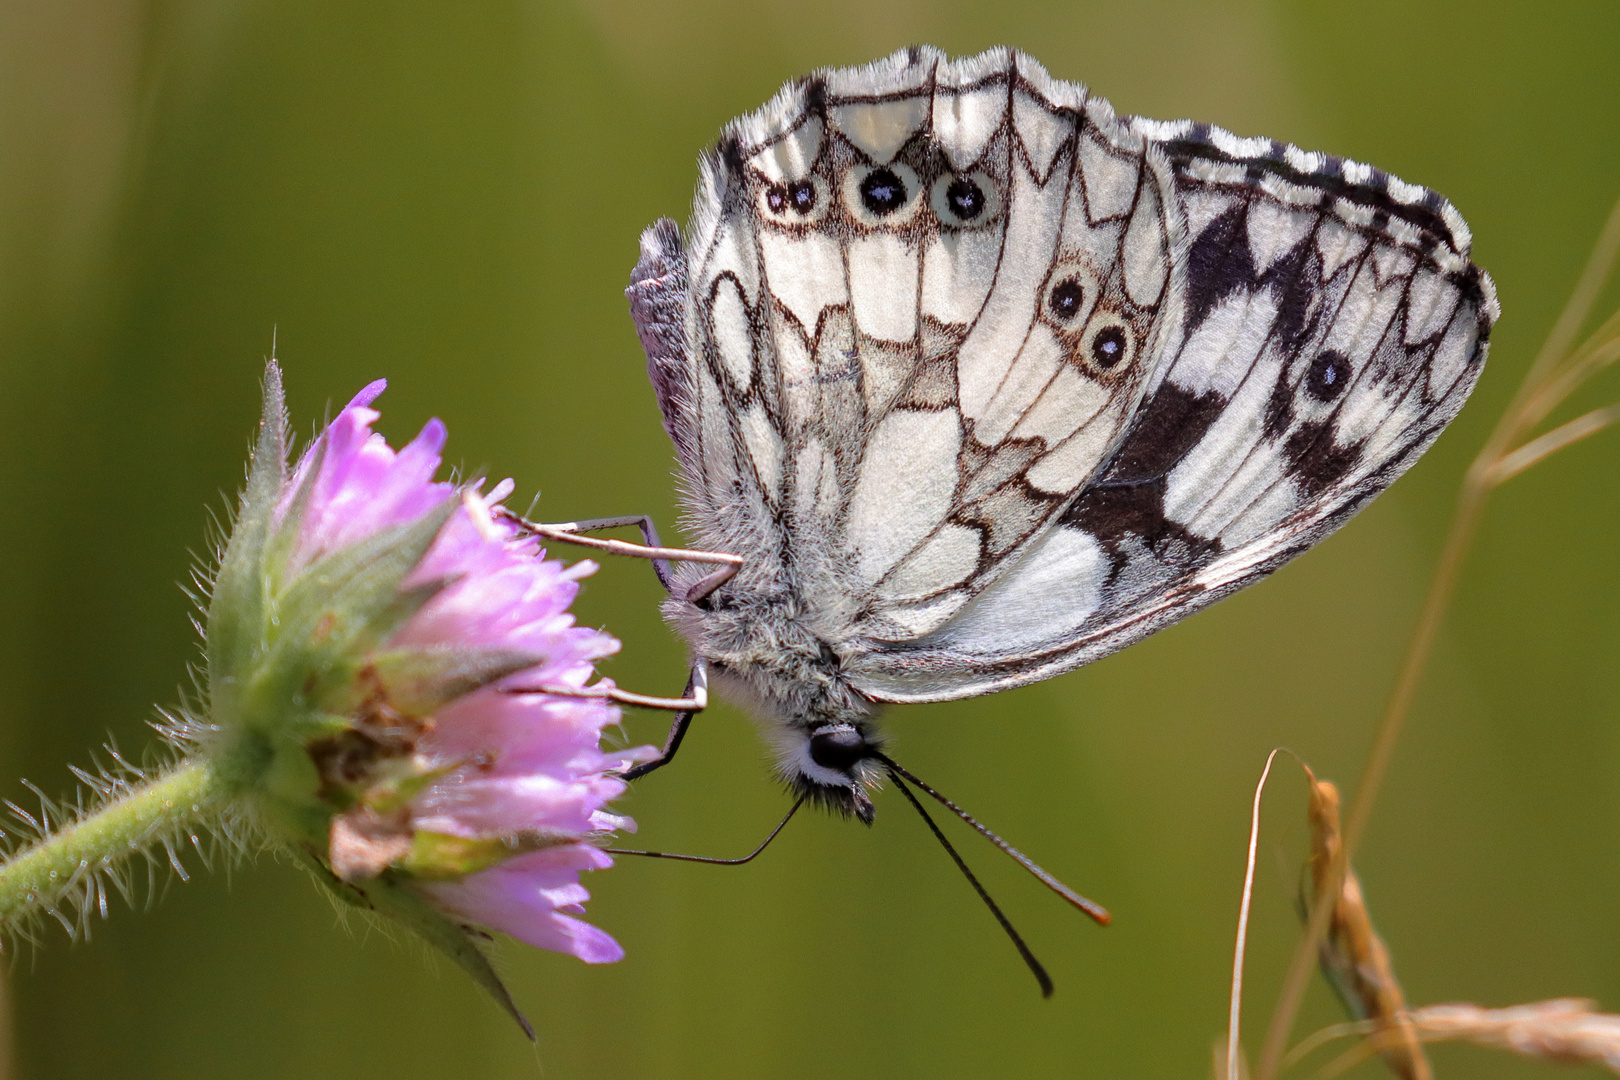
{"x":986,"y":382}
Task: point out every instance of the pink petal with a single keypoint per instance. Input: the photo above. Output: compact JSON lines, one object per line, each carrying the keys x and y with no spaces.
{"x":522,"y":897}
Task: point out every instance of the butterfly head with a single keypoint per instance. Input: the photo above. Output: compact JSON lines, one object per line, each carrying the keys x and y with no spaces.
{"x":833,"y":764}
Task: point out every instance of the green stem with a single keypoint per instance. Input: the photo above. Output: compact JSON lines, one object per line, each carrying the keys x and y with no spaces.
{"x":36,"y":877}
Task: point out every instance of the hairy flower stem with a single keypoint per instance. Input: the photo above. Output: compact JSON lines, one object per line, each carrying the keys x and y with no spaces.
{"x":35,"y":878}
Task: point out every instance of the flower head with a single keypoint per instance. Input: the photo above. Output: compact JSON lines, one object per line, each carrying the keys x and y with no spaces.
{"x":364,"y":634}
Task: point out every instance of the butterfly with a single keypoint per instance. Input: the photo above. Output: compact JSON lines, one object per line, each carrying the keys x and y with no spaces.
{"x":977,"y":382}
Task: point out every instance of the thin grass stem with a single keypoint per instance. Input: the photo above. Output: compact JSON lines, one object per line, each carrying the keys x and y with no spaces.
{"x":1577,"y":309}
{"x":1545,"y":446}
{"x":1331,"y":1033}
{"x":1234,"y":1051}
{"x":1591,"y":360}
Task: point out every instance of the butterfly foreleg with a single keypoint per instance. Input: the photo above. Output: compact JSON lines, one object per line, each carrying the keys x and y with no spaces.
{"x":693,"y":700}
{"x":572,"y":532}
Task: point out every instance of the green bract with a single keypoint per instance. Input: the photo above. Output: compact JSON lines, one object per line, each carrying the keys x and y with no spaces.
{"x":300,"y":672}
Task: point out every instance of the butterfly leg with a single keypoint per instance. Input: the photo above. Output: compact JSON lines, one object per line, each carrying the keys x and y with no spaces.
{"x":697,"y":689}
{"x":693,"y":700}
{"x":571,"y":532}
{"x":672,"y":743}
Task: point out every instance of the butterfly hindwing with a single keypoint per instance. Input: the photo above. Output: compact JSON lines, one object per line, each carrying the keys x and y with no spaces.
{"x":985,"y":382}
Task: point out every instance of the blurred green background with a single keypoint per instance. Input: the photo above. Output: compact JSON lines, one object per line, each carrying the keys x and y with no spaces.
{"x":449,"y":195}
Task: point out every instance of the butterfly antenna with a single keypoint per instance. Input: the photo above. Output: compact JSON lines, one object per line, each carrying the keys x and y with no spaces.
{"x":1095,"y":910}
{"x":1035,"y":966}
{"x":708,"y":859}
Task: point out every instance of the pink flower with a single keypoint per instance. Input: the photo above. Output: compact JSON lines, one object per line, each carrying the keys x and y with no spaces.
{"x":483,"y":801}
{"x":362,"y":486}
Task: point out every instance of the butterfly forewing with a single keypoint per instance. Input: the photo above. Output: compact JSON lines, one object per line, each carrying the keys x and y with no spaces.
{"x":985,"y":383}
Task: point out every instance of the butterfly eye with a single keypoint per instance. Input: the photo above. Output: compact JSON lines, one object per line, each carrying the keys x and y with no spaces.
{"x":840,"y":748}
{"x":1068,"y":297}
{"x":965,"y":202}
{"x":965,"y":198}
{"x":1108,"y":343}
{"x":884,"y":196}
{"x":796,"y":202}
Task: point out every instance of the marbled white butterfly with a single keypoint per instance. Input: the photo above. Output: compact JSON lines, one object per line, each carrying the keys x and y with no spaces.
{"x":980,"y":382}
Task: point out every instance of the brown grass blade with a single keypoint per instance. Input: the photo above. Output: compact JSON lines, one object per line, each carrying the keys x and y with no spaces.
{"x":1353,"y":956}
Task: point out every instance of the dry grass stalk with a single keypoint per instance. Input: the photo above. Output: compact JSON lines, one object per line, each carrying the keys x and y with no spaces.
{"x":1563,"y":1029}
{"x":1236,"y":1067}
{"x":1353,"y":956}
{"x":1218,"y":1056}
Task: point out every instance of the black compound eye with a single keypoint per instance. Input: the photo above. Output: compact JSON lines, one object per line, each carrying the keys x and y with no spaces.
{"x":776,"y":197}
{"x":801,"y":195}
{"x":1109,"y":346}
{"x":965,"y":198}
{"x":883,"y":192}
{"x":839,"y":748}
{"x":1065,"y":299}
{"x":1328,"y":376}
